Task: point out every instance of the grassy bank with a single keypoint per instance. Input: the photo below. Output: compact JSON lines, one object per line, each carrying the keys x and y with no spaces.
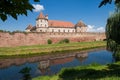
{"x":50,"y":48}
{"x":89,"y":72}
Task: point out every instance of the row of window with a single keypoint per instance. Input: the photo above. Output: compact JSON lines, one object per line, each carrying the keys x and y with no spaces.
{"x":42,"y":25}
{"x":58,"y":31}
{"x":43,"y":21}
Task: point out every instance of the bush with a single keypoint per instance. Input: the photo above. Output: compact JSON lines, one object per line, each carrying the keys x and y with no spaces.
{"x":64,"y":41}
{"x":1,"y":31}
{"x":49,"y":41}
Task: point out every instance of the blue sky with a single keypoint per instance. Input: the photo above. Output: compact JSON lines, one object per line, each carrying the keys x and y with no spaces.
{"x":65,"y":10}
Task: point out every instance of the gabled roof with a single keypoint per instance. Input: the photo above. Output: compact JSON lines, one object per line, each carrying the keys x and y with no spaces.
{"x":41,"y":16}
{"x":29,"y":27}
{"x":80,"y":24}
{"x":55,"y":23}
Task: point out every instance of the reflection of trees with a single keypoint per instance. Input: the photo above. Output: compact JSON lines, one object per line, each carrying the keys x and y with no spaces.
{"x":26,"y":73}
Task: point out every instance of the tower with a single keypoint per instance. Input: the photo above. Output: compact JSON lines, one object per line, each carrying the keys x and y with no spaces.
{"x":42,"y":21}
{"x":81,"y":27}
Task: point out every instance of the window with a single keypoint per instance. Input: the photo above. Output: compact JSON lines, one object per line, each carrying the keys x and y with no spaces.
{"x":58,"y":30}
{"x":63,"y":30}
{"x":52,"y":30}
{"x":40,"y":30}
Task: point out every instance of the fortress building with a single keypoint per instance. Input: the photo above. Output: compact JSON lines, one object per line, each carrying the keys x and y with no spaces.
{"x":43,"y":24}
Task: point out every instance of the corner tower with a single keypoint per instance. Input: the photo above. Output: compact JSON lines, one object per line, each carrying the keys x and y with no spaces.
{"x":42,"y":21}
{"x":80,"y":27}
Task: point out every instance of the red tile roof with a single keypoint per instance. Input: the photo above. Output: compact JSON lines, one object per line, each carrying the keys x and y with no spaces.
{"x":55,"y":23}
{"x":80,"y":24}
{"x":41,"y":16}
{"x":29,"y":27}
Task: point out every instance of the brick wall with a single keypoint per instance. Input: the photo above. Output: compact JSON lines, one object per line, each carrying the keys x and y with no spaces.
{"x":21,"y":39}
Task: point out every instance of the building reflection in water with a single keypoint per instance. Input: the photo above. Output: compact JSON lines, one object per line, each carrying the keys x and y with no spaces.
{"x":81,"y":57}
{"x":44,"y":65}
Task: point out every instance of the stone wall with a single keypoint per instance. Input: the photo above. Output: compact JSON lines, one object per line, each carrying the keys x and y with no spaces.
{"x":21,"y":39}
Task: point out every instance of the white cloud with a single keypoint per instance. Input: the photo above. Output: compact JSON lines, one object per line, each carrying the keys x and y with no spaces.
{"x":38,"y":7}
{"x":92,"y":28}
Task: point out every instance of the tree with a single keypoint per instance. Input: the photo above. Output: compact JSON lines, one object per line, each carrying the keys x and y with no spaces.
{"x":113,"y":32}
{"x":14,"y":8}
{"x":104,"y":2}
{"x":113,"y":29}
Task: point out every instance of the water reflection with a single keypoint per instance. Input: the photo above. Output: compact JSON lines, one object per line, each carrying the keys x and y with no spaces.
{"x":51,"y":64}
{"x":45,"y":60}
{"x":44,"y":65}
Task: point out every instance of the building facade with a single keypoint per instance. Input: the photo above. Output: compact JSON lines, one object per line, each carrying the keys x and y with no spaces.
{"x":43,"y":24}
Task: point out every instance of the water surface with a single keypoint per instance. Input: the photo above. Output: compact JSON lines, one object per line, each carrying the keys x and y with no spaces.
{"x":51,"y":64}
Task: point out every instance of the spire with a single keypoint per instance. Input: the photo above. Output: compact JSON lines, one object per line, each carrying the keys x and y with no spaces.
{"x":41,"y":16}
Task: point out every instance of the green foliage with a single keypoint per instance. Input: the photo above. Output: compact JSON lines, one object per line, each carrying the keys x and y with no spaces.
{"x":46,"y":78}
{"x":1,"y":31}
{"x":91,"y":72}
{"x":113,"y":32}
{"x":104,"y":2}
{"x":26,"y":73}
{"x":14,"y":8}
{"x":88,"y":72}
{"x":64,"y":41}
{"x":49,"y":41}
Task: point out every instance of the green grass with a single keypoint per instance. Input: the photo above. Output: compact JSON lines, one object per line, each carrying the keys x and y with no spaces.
{"x":50,"y":48}
{"x":89,"y":72}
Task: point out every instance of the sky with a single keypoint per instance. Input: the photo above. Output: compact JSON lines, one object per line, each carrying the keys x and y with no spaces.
{"x":65,"y":10}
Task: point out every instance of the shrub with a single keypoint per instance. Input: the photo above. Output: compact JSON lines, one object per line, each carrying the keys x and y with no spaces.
{"x":49,"y":41}
{"x":64,"y":41}
{"x":1,"y":31}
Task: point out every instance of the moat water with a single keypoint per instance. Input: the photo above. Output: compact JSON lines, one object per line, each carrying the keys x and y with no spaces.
{"x":51,"y":64}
